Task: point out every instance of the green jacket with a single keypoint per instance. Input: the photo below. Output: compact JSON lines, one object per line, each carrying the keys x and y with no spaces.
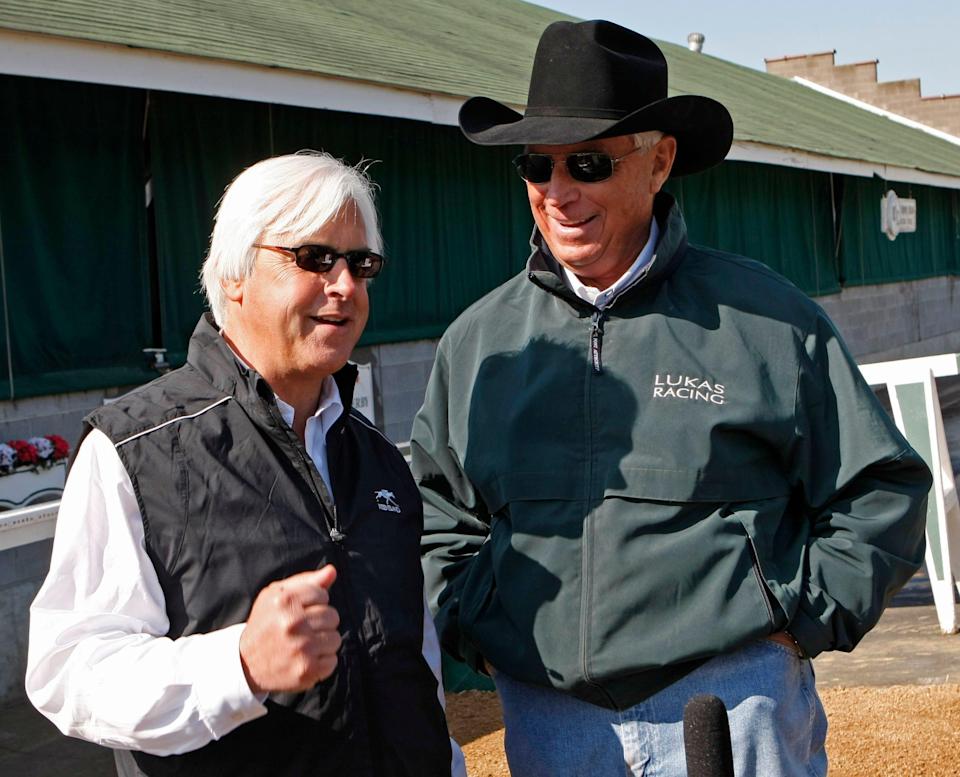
{"x":612,"y":498}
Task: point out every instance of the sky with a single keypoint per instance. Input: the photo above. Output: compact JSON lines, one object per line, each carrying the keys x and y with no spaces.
{"x":915,"y":39}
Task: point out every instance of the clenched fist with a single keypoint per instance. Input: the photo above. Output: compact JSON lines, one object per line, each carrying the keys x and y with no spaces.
{"x":291,"y":640}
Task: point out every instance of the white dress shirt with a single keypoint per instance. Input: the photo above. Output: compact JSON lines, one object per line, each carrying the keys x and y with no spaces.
{"x":99,"y":666}
{"x":640,"y":267}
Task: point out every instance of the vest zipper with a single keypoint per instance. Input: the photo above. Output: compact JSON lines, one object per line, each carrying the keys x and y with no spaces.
{"x":330,"y":518}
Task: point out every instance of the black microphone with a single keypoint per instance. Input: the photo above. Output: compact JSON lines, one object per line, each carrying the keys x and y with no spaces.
{"x":706,"y":738}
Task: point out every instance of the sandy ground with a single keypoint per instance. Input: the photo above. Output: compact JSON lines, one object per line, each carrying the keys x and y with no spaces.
{"x":898,"y":731}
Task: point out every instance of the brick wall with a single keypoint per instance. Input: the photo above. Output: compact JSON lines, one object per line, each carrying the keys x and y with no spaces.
{"x":400,"y":373}
{"x":898,"y":320}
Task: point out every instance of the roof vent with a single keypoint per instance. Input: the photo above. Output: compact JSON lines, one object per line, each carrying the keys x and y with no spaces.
{"x":695,"y":41}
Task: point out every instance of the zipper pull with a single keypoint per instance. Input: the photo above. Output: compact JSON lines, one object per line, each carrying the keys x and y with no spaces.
{"x":596,"y":341}
{"x":336,"y":535}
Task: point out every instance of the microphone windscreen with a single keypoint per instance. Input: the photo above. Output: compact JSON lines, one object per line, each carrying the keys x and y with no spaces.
{"x":706,"y":738}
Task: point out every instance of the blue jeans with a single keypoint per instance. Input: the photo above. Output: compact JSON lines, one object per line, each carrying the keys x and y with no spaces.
{"x":777,"y":723}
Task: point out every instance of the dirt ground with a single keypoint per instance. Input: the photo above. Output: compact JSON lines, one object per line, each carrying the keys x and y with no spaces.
{"x":899,"y":731}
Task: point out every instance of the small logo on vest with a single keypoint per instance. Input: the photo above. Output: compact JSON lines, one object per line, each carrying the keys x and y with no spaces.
{"x":688,"y":387}
{"x":386,"y":501}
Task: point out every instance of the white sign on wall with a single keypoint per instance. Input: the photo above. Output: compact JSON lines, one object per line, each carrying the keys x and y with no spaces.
{"x":363,"y":392}
{"x":897,"y":215}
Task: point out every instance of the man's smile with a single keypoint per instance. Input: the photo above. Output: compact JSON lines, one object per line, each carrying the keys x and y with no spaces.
{"x":567,"y":227}
{"x":331,"y":319}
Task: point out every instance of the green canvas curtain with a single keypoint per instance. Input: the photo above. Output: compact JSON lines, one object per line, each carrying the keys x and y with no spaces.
{"x":197,"y":146}
{"x":777,"y":215}
{"x":76,"y":245}
{"x":866,"y":254}
{"x":72,"y":226}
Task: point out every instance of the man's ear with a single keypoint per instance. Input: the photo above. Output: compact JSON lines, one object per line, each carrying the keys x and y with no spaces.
{"x":232,"y":289}
{"x":664,"y":153}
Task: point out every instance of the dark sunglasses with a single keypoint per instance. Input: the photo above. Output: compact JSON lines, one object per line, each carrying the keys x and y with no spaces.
{"x":583,"y":166}
{"x":321,"y":259}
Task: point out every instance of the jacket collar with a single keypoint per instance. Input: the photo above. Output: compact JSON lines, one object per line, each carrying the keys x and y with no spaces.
{"x":545,"y":271}
{"x":210,"y":355}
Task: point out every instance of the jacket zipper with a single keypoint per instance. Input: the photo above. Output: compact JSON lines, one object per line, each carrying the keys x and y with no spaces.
{"x":586,"y":550}
{"x":597,"y":319}
{"x":600,"y":315}
{"x":586,"y":567}
{"x":596,"y":340}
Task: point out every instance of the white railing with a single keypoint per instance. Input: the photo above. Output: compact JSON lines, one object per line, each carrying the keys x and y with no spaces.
{"x":28,"y":524}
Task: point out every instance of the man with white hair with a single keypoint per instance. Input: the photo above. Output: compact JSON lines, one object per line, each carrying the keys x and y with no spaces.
{"x":227,"y":593}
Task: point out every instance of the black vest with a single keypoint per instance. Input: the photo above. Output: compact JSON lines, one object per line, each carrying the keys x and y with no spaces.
{"x":231,"y":502}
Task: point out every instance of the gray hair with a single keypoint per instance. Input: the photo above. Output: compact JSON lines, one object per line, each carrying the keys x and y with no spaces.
{"x":647,"y":140}
{"x":292,"y":195}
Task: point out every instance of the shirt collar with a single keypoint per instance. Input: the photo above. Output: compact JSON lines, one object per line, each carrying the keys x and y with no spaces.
{"x":601,"y":298}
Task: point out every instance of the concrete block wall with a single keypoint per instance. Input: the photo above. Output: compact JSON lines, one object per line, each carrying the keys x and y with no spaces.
{"x":857,"y":74}
{"x":812,"y":66}
{"x":898,"y":320}
{"x":400,"y":373}
{"x":894,"y":94}
{"x":940,"y":111}
{"x":859,"y":80}
{"x":56,"y":414}
{"x":21,"y":573}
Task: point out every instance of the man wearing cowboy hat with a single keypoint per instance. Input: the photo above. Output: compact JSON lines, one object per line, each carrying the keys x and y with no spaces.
{"x":650,"y":470}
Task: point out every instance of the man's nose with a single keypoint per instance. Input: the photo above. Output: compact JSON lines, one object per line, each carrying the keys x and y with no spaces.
{"x":338,"y":280}
{"x":562,"y":187}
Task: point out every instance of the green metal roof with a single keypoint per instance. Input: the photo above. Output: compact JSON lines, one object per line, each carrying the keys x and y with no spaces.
{"x":465,"y":48}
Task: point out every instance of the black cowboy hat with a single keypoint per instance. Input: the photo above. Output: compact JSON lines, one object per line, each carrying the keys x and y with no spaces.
{"x":596,"y":80}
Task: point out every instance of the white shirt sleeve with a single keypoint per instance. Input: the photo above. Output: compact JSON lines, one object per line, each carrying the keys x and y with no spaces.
{"x":431,"y":652}
{"x":99,"y":666}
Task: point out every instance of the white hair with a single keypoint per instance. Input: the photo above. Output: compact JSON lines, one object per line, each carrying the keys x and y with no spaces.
{"x":647,"y":140}
{"x":292,"y":195}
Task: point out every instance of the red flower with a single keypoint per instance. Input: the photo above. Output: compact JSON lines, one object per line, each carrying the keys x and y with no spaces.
{"x":26,"y":453}
{"x":61,"y":448}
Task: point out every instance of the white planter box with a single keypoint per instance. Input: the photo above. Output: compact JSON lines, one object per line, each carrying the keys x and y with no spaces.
{"x":27,"y":487}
